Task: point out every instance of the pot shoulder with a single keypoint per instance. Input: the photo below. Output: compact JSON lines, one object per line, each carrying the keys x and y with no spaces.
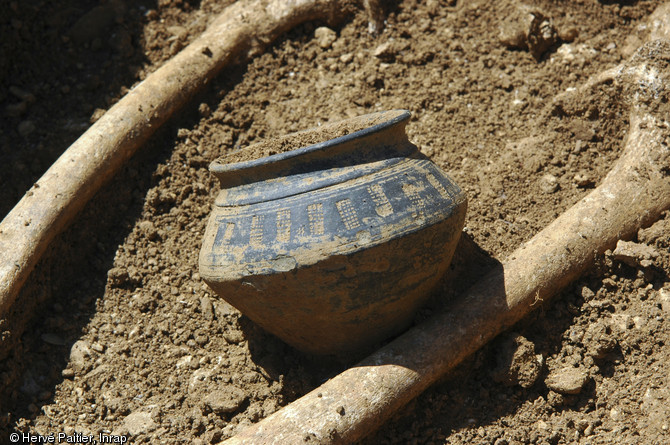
{"x":281,"y":235}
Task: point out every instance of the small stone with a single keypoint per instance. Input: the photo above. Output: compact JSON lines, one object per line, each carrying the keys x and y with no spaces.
{"x":94,"y":23}
{"x":194,"y":363}
{"x":616,"y":414}
{"x":79,"y":355}
{"x":97,"y":347}
{"x":517,"y":362}
{"x":384,"y":51}
{"x":512,"y":35}
{"x":234,"y":336}
{"x":346,"y":58}
{"x":527,"y":28}
{"x":139,"y":422}
{"x":659,"y":229}
{"x":568,"y":34}
{"x":548,"y":183}
{"x":22,"y":94}
{"x":16,"y":110}
{"x":184,"y":361}
{"x":117,"y":276}
{"x":567,"y":380}
{"x":53,"y":339}
{"x":97,"y":114}
{"x":634,"y":254}
{"x":325,"y":37}
{"x":204,"y":110}
{"x":226,"y":400}
{"x":582,"y":131}
{"x":67,"y":373}
{"x":588,"y":430}
{"x":555,"y":399}
{"x":583,"y":179}
{"x":148,"y":229}
{"x":541,"y":35}
{"x":96,"y":44}
{"x":206,"y":308}
{"x":664,"y":297}
{"x":587,"y":294}
{"x":658,"y":23}
{"x":201,"y":338}
{"x":25,"y":128}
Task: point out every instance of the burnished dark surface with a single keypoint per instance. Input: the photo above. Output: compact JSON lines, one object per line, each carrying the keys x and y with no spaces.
{"x":333,"y":247}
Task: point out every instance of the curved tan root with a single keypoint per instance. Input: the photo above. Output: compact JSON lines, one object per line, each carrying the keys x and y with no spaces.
{"x":633,"y":195}
{"x":243,"y":29}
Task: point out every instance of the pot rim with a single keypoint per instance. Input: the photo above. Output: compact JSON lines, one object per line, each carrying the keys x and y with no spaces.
{"x":396,"y":116}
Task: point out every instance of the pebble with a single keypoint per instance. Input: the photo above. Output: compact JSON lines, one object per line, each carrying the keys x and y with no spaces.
{"x":634,"y":254}
{"x":94,"y":24}
{"x":22,"y":94}
{"x":53,"y":339}
{"x":149,"y":229}
{"x":325,"y":37}
{"x":139,"y":422}
{"x":16,"y":110}
{"x":206,"y":308}
{"x":587,"y":294}
{"x":664,"y":297}
{"x":583,"y":179}
{"x":26,"y":128}
{"x":517,"y":362}
{"x":234,"y":336}
{"x":541,"y":35}
{"x":226,"y":400}
{"x":204,"y":110}
{"x":548,"y":183}
{"x":79,"y":355}
{"x":567,"y":380}
{"x":656,"y":231}
{"x":384,"y":51}
{"x":201,"y":338}
{"x":346,"y":58}
{"x":582,"y":131}
{"x":568,"y":34}
{"x":599,"y":340}
{"x":527,"y":28}
{"x":96,"y":115}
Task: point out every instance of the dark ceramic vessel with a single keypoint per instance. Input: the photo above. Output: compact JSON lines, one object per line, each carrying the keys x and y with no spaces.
{"x":333,"y":245}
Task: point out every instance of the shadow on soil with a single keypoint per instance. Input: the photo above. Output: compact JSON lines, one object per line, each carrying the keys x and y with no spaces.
{"x":58,"y":63}
{"x":467,"y":396}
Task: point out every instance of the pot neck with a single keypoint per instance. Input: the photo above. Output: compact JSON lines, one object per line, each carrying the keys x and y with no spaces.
{"x":376,"y":141}
{"x":379,"y":142}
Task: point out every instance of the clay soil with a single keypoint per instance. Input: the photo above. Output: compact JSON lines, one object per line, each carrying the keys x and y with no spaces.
{"x":125,"y":338}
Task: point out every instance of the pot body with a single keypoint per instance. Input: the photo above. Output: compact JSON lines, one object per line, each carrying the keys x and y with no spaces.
{"x":334,"y":246}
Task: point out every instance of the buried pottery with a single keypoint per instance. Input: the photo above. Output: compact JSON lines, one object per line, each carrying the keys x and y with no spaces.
{"x":333,"y":237}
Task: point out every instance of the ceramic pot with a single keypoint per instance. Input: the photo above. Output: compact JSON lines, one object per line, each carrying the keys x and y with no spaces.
{"x":334,"y":240}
